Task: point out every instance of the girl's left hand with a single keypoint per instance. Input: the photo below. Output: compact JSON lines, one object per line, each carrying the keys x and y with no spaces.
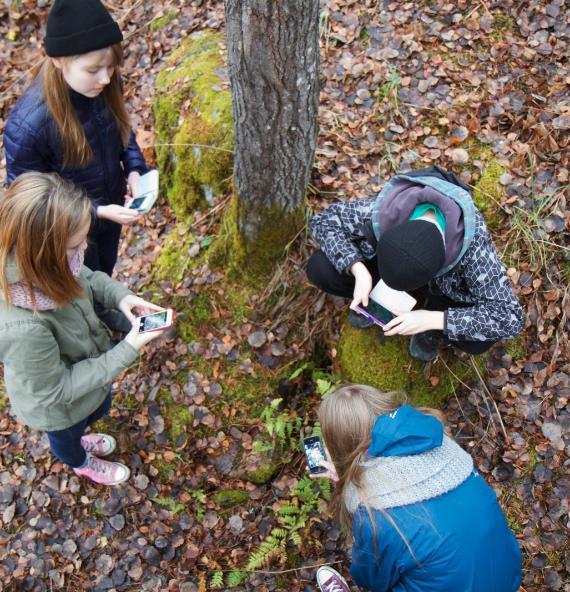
{"x":132,"y":182}
{"x":130,"y":302}
{"x":415,"y":321}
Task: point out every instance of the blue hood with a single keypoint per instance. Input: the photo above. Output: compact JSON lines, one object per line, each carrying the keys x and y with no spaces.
{"x":404,"y":432}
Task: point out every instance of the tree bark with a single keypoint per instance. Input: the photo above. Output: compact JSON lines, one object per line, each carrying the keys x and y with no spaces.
{"x":273,"y":59}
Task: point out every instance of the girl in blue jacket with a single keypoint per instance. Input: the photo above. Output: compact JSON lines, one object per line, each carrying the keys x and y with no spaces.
{"x":72,"y":121}
{"x":422,"y":518}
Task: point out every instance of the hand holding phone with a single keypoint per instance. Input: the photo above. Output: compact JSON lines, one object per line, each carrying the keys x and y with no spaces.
{"x":145,"y":193}
{"x":157,"y":321}
{"x":315,"y":454}
{"x":149,"y":327}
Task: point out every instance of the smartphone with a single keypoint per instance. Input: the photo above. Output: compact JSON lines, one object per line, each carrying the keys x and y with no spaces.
{"x":157,"y":320}
{"x":146,"y":192}
{"x":315,"y":453}
{"x":381,"y":315}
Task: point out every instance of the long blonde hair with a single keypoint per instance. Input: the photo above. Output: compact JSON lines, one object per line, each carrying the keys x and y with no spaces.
{"x":76,"y":148}
{"x":40,"y":212}
{"x":347,"y":416}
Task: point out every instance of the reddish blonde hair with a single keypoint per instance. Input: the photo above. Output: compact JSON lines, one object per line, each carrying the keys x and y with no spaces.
{"x":76,"y":148}
{"x":40,"y":212}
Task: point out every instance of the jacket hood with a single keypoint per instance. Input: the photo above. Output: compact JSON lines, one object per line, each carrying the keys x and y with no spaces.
{"x":405,"y":432}
{"x":397,"y":200}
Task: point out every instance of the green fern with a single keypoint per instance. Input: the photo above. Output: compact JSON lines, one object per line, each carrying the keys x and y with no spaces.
{"x":288,"y":510}
{"x":217,"y":580}
{"x":174,"y":506}
{"x":273,"y":546}
{"x":235,"y":578}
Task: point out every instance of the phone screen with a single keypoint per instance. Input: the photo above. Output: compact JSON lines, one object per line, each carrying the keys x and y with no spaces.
{"x":137,"y":203}
{"x":378,"y":311}
{"x":153,"y":321}
{"x":315,"y":453}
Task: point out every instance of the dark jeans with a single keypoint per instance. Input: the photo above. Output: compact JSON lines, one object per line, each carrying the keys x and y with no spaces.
{"x":66,"y":444}
{"x":322,"y":274}
{"x":103,"y":247}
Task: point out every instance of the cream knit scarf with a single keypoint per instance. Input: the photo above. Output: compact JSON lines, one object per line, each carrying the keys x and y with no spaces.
{"x":392,"y":481}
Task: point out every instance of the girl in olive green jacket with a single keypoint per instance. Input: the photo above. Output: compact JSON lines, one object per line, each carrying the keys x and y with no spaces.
{"x":58,"y":357}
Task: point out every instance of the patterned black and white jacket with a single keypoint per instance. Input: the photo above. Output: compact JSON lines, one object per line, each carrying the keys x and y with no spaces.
{"x":478,"y":281}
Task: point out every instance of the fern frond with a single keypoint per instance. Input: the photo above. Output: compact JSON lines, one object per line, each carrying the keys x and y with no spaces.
{"x":235,"y":578}
{"x":217,"y":580}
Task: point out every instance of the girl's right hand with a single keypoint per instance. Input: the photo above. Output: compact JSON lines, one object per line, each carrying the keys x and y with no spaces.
{"x":362,"y":285}
{"x":139,"y":340}
{"x":330,"y":472}
{"x":118,"y":214}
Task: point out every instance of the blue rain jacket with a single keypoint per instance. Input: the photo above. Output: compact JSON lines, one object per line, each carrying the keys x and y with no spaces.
{"x":460,"y":539}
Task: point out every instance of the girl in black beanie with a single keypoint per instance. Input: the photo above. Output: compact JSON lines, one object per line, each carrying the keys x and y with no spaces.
{"x":72,"y":120}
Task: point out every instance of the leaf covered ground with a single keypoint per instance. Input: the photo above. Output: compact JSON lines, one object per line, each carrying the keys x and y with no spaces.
{"x":479,"y":87}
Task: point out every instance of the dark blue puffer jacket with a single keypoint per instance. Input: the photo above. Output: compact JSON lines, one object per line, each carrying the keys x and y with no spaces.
{"x":31,"y":142}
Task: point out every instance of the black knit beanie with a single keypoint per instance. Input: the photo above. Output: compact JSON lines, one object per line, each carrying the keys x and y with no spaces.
{"x":75,"y":27}
{"x":410,"y":254}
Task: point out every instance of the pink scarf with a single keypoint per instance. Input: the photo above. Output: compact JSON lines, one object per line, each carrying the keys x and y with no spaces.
{"x":21,"y":295}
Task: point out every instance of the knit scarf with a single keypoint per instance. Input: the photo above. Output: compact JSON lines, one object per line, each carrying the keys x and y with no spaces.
{"x":393,"y":481}
{"x":21,"y":292}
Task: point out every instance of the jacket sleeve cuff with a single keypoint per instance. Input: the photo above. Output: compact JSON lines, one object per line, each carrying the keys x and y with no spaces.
{"x":125,"y":354}
{"x":351,"y":262}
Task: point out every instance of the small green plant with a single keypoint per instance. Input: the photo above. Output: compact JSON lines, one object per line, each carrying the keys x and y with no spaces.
{"x":389,"y":90}
{"x":217,"y":580}
{"x":199,"y":498}
{"x":294,"y":519}
{"x":324,"y":387}
{"x":525,"y":233}
{"x":325,"y":28}
{"x":167,"y":502}
{"x":280,"y":425}
{"x":235,"y":578}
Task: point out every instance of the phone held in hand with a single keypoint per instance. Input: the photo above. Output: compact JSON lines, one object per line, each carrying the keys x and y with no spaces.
{"x":367,"y":312}
{"x":156,"y":321}
{"x":315,"y":453}
{"x":145,"y":193}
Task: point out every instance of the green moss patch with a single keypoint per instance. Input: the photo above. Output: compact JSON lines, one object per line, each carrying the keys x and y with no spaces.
{"x":263,"y":474}
{"x":228,"y":498}
{"x":178,"y":417}
{"x":488,"y":191}
{"x":162,"y":21}
{"x":194,"y":123}
{"x":388,"y":366}
{"x":253,"y":260}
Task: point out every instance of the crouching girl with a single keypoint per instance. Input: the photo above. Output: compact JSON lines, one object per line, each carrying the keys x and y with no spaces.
{"x":58,"y":358}
{"x":421,"y":516}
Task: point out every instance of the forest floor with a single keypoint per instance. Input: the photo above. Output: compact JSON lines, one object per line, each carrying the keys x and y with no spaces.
{"x":478,"y":87}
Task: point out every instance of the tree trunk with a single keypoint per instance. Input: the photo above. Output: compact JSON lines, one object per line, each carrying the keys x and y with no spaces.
{"x":273,"y":59}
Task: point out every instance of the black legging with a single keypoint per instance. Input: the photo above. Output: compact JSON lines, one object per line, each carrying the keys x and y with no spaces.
{"x":322,"y":274}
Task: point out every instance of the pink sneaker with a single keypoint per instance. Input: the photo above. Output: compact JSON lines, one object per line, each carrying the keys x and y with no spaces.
{"x":98,"y":444}
{"x":329,"y":580}
{"x":103,"y":471}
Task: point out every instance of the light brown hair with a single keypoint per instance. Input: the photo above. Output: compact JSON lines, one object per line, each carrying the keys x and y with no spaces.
{"x":347,"y":417}
{"x":76,"y":148}
{"x":40,"y":212}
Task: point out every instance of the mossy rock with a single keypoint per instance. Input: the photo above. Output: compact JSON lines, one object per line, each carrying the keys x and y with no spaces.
{"x":388,"y":366}
{"x":263,"y":474}
{"x":194,"y":123}
{"x":228,"y":498}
